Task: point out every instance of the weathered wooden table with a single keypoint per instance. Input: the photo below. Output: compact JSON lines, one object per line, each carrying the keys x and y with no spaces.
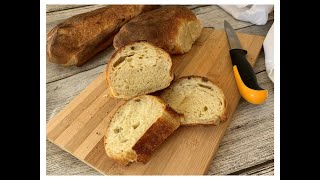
{"x":248,"y":145}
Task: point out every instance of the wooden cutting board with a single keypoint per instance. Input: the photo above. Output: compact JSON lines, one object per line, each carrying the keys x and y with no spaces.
{"x":79,"y":127}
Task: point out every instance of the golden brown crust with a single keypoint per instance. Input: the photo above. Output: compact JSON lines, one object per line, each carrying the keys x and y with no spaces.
{"x":153,"y":137}
{"x":112,"y":59}
{"x":77,"y":39}
{"x":156,"y":134}
{"x":111,"y":93}
{"x":161,"y":27}
{"x":224,"y":115}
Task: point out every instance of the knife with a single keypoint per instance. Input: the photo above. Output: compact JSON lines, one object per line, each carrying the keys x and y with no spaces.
{"x":245,"y":77}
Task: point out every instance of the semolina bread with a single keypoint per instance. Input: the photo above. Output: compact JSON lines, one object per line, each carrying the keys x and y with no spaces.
{"x":138,"y":68}
{"x":198,"y":99}
{"x":138,"y":127}
{"x":172,"y":28}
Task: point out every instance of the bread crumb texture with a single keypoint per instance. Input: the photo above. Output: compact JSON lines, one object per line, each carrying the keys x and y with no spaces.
{"x":131,"y":125}
{"x":198,"y":99}
{"x":139,"y":68}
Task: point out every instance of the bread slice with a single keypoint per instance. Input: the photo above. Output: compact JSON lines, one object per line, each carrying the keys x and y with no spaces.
{"x":138,"y":128}
{"x":172,"y":28}
{"x":138,"y":68}
{"x":198,"y":99}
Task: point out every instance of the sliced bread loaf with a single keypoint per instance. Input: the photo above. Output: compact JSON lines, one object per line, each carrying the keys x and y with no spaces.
{"x":138,"y":68}
{"x":198,"y":99}
{"x":138,"y":128}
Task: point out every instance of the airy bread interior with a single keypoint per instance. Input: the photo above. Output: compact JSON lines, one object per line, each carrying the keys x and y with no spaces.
{"x":128,"y":125}
{"x":139,"y":68}
{"x":198,"y":99}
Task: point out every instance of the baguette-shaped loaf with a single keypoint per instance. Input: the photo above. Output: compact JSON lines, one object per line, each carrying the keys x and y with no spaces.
{"x":138,"y":68}
{"x":138,"y":127}
{"x":77,"y":39}
{"x":198,"y":99}
{"x":172,"y":28}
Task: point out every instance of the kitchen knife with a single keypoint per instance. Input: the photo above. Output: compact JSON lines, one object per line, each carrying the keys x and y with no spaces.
{"x":245,"y":77}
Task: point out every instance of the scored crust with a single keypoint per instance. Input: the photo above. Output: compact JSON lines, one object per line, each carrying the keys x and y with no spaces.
{"x":112,"y":59}
{"x":163,"y":127}
{"x":80,"y":37}
{"x":223,"y":117}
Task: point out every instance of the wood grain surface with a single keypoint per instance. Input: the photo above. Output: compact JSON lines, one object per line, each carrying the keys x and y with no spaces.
{"x":241,"y":149}
{"x":79,"y":127}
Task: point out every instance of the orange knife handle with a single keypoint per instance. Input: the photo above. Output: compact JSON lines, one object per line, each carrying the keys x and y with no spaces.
{"x":246,"y":78}
{"x":251,"y":95}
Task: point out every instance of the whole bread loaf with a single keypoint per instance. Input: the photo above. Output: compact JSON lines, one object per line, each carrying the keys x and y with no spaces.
{"x":172,"y":28}
{"x":77,"y":39}
{"x":138,"y":127}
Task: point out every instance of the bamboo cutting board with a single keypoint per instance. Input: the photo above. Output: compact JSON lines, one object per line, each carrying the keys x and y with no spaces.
{"x":79,"y":127}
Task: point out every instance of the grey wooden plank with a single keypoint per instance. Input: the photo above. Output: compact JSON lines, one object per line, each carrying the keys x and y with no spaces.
{"x":54,"y":18}
{"x":59,"y":162}
{"x":257,"y":30}
{"x":60,"y":93}
{"x":56,"y":72}
{"x":264,"y":169}
{"x":59,"y":7}
{"x":191,"y":7}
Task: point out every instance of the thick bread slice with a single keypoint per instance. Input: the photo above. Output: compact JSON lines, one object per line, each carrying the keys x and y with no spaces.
{"x":138,"y":128}
{"x":77,"y":39}
{"x":172,"y":28}
{"x":138,"y":68}
{"x":198,"y":99}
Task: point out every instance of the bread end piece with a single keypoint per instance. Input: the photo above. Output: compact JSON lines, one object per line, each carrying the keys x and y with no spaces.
{"x":156,"y":134}
{"x":160,"y":129}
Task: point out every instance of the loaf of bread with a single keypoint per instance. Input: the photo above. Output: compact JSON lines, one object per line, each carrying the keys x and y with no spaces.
{"x":172,"y":28}
{"x":198,"y":99}
{"x":138,"y":127}
{"x":138,"y":68}
{"x":77,"y":39}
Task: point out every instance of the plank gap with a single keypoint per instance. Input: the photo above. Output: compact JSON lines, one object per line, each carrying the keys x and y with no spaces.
{"x":260,"y":71}
{"x":252,"y":167}
{"x":75,"y":74}
{"x":200,"y":6}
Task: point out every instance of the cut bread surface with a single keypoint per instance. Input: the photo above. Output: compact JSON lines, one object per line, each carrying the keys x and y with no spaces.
{"x":138,"y":127}
{"x":138,"y":68}
{"x":198,"y":99}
